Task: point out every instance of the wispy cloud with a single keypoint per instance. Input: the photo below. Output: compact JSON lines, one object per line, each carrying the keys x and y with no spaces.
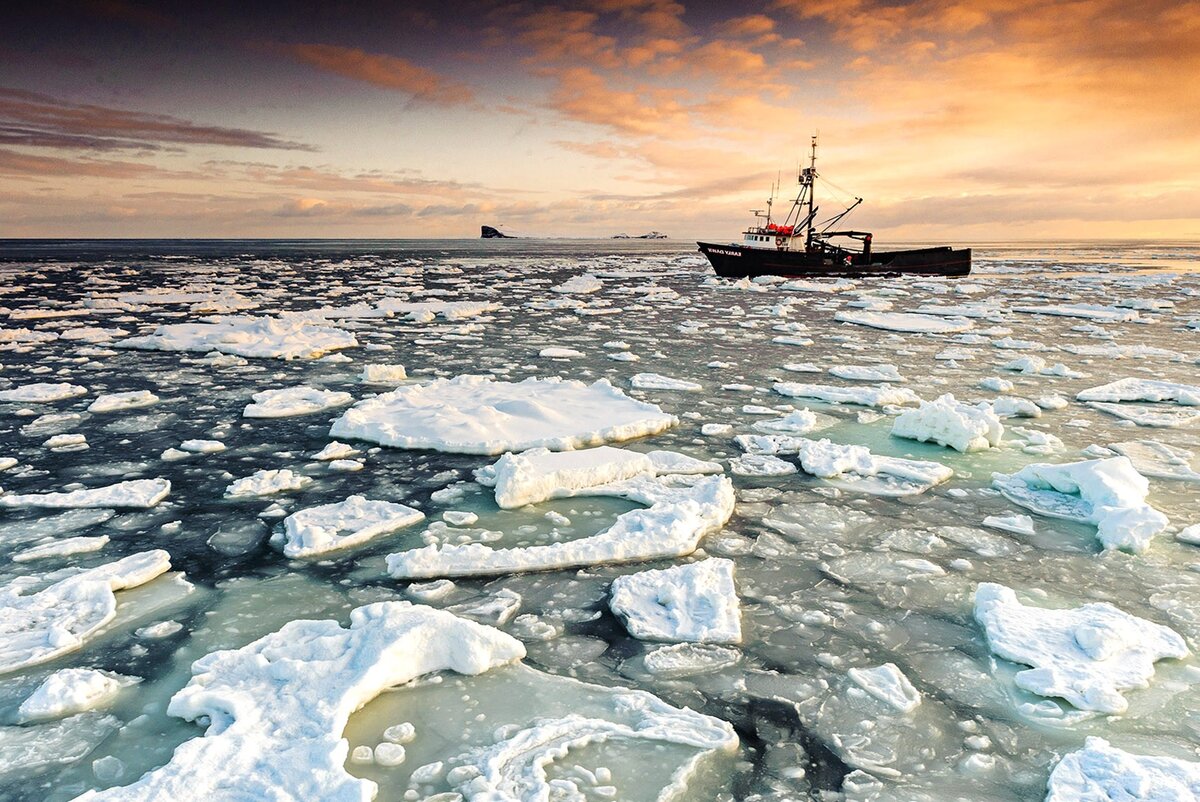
{"x":379,"y":69}
{"x":37,"y":120}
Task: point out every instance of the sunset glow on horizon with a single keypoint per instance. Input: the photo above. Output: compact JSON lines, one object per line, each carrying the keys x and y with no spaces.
{"x":973,"y":120}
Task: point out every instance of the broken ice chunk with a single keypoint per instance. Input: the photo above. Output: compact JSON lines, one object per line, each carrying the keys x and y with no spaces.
{"x":1102,"y":772}
{"x":329,"y":527}
{"x":288,"y":401}
{"x":888,"y":684}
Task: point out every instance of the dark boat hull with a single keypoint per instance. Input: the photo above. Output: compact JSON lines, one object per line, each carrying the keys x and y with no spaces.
{"x":737,"y":261}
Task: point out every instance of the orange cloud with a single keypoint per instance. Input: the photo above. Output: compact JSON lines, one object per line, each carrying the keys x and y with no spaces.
{"x":389,"y":72}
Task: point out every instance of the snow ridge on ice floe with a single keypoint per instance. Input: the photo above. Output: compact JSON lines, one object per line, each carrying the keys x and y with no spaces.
{"x":1086,"y":655}
{"x":540,"y":474}
{"x":696,"y":603}
{"x":479,"y":415}
{"x":276,"y":709}
{"x":1109,"y":493}
{"x":851,"y":467}
{"x":39,"y":626}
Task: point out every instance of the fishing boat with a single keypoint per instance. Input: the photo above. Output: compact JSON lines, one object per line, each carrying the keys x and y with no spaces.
{"x":803,"y":246}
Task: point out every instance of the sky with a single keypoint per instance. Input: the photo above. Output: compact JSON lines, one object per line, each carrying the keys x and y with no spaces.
{"x":955,"y":120}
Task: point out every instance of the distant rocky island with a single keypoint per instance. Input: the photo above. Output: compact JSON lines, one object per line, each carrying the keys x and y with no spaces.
{"x":650,"y":235}
{"x":489,"y":232}
{"x":499,"y":232}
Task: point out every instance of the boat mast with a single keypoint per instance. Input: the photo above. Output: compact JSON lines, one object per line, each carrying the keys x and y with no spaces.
{"x":808,"y":178}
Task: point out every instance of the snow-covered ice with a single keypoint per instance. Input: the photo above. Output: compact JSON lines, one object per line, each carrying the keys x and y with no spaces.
{"x":1087,"y":655}
{"x":951,"y":423}
{"x":1109,"y":493}
{"x":39,"y":625}
{"x":1100,"y":772}
{"x":131,"y":494}
{"x":42,"y":393}
{"x":69,"y":691}
{"x":478,"y":415}
{"x":288,"y":401}
{"x":329,"y":527}
{"x":696,"y":602}
{"x":863,"y":396}
{"x":270,"y":337}
{"x":906,"y":322}
{"x":266,"y":482}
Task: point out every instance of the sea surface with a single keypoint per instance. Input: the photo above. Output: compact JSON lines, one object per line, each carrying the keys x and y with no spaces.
{"x":829,"y":578}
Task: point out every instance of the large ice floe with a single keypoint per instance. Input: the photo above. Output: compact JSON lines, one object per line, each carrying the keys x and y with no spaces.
{"x":131,"y":494}
{"x":1108,"y":493}
{"x":1087,"y":655}
{"x":288,"y":401}
{"x":276,"y":709}
{"x":287,"y":337}
{"x":905,"y":321}
{"x":1143,"y":390}
{"x":696,"y":603}
{"x":882,"y":395}
{"x":37,"y":625}
{"x":329,"y":527}
{"x":42,"y":393}
{"x":478,"y":415}
{"x":1100,"y":772}
{"x":951,"y":423}
{"x":681,"y":509}
{"x":851,"y":467}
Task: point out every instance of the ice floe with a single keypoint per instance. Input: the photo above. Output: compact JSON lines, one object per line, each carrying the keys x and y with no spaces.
{"x":61,"y":547}
{"x":288,"y":337}
{"x":1100,"y":772}
{"x":883,"y":395}
{"x":42,"y":393}
{"x":853,"y":467}
{"x":951,"y":423}
{"x":656,"y":381}
{"x":70,"y":691}
{"x":39,"y":625}
{"x":1143,"y":390}
{"x":288,"y":401}
{"x":681,"y":510}
{"x":112,"y":402}
{"x":867,"y":373}
{"x":383,"y":374}
{"x":275,"y":710}
{"x":696,"y":602}
{"x":1087,"y":655}
{"x":265,"y":482}
{"x":478,"y":415}
{"x":342,"y":524}
{"x":905,"y":321}
{"x":888,"y":684}
{"x":131,"y":494}
{"x":540,"y":474}
{"x":1108,"y":493}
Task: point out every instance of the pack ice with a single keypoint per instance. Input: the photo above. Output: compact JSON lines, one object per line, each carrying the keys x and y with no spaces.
{"x":479,"y":415}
